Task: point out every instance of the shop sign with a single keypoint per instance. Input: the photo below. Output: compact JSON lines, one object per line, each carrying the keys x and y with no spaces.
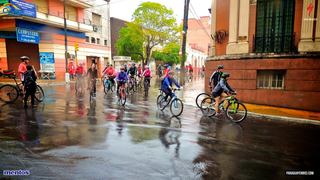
{"x":47,"y":61}
{"x":17,"y":8}
{"x":27,"y":36}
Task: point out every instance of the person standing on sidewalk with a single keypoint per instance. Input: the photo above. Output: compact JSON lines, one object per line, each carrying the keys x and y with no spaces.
{"x":30,"y":85}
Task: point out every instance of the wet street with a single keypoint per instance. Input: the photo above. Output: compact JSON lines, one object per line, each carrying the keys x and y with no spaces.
{"x":66,"y":137}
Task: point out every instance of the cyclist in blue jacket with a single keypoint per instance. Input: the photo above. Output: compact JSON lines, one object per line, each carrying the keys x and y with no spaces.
{"x":122,"y":78}
{"x":166,"y":85}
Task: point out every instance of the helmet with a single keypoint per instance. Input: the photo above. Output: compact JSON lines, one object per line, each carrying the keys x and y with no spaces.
{"x":133,"y":64}
{"x":24,"y":58}
{"x":146,"y":66}
{"x":220,"y":66}
{"x":225,"y":75}
{"x":122,"y":68}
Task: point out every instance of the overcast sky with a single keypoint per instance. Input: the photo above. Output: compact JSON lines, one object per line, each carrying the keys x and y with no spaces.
{"x":123,"y":9}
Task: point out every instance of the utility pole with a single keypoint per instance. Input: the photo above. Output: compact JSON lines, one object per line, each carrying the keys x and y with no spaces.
{"x":184,"y":40}
{"x":65,"y":42}
{"x":109,"y":28}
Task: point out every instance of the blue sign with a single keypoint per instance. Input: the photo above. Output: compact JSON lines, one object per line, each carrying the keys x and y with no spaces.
{"x":47,"y":61}
{"x":18,"y":8}
{"x":27,"y":36}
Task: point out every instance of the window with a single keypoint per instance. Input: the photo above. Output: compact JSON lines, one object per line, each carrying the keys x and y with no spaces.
{"x":93,"y":40}
{"x":42,"y":6}
{"x":87,"y":39}
{"x":71,"y":13}
{"x":270,"y":79}
{"x":96,"y":19}
{"x":274,"y":28}
{"x":98,"y":41}
{"x":105,"y":42}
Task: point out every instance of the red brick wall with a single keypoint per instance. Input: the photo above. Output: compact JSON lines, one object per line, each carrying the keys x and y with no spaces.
{"x":302,"y":81}
{"x":298,"y":21}
{"x":197,"y":34}
{"x":222,"y":23}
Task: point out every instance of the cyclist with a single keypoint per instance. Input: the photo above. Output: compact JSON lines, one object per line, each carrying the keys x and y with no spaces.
{"x":166,"y":85}
{"x":92,"y":75}
{"x":30,"y":85}
{"x":139,"y":73}
{"x":221,"y":91}
{"x":147,"y":74}
{"x":23,"y":67}
{"x":215,"y":77}
{"x":110,"y":72}
{"x":80,"y":76}
{"x":132,"y":72}
{"x":122,"y":78}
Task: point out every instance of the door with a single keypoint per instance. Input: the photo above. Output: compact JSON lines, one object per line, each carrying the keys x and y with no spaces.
{"x":274,"y":30}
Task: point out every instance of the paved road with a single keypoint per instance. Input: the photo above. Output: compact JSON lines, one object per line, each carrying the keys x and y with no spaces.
{"x":66,"y":137}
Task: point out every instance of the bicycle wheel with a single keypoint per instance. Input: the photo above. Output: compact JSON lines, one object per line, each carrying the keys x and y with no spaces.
{"x":39,"y":96}
{"x":159,"y":98}
{"x":8,"y":93}
{"x":107,"y":86}
{"x":176,"y":107}
{"x":207,"y":106}
{"x":146,"y":86}
{"x":236,"y":112}
{"x":200,"y":97}
{"x":123,"y":97}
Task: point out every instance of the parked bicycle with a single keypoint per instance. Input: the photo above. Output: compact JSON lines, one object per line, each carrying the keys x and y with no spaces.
{"x":176,"y":105}
{"x":234,"y":109}
{"x":10,"y":93}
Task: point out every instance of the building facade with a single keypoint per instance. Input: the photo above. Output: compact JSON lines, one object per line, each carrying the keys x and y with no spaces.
{"x":199,"y":33}
{"x":100,"y":38}
{"x":115,"y":25}
{"x":271,"y":48}
{"x":39,"y":34}
{"x":196,"y":56}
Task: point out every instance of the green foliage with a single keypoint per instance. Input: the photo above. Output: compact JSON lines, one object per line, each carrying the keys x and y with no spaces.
{"x":130,"y":42}
{"x":169,"y":54}
{"x":153,"y":25}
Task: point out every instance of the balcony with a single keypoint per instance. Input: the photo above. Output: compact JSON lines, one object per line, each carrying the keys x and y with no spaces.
{"x":59,"y":22}
{"x":78,"y":3}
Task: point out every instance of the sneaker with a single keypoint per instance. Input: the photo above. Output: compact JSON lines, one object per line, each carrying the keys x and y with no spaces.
{"x":217,"y":114}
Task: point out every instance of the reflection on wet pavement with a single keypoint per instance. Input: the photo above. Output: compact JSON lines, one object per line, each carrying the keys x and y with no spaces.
{"x":69,"y":137}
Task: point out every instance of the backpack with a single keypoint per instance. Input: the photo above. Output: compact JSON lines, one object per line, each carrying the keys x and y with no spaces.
{"x":28,"y":79}
{"x":216,"y":77}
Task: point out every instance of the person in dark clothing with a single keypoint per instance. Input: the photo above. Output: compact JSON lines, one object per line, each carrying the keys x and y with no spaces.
{"x":30,"y":85}
{"x":215,"y":77}
{"x":92,"y":75}
{"x":221,"y":91}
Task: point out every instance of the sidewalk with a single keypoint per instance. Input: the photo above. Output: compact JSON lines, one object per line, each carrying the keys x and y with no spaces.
{"x":41,"y":82}
{"x":196,"y":87}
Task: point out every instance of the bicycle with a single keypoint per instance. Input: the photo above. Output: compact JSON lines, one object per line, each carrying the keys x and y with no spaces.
{"x":10,"y":93}
{"x":122,"y":94}
{"x":176,"y":104}
{"x":235,"y":110}
{"x":108,"y":85}
{"x":79,"y":86}
{"x":200,"y":97}
{"x":132,"y":85}
{"x":146,"y":85}
{"x":91,"y":89}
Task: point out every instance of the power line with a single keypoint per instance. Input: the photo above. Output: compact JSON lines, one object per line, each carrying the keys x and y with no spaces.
{"x":193,"y":12}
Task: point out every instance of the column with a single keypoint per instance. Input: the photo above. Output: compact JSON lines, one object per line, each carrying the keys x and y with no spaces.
{"x":3,"y":55}
{"x":212,"y":48}
{"x":310,"y":28}
{"x":239,"y":27}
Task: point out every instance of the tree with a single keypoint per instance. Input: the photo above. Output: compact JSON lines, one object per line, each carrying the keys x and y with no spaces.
{"x":154,"y":24}
{"x":130,"y":42}
{"x":169,"y":54}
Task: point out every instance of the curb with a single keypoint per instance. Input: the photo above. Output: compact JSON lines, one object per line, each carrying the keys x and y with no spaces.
{"x":283,"y":118}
